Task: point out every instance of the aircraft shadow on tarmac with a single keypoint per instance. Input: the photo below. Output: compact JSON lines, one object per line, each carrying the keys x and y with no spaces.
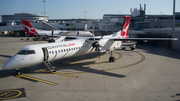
{"x":6,"y":56}
{"x":79,"y":67}
{"x":5,"y":73}
{"x":159,"y":50}
{"x":64,"y":63}
{"x":177,"y":95}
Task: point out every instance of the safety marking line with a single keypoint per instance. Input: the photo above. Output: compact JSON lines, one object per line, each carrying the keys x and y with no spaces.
{"x":64,"y":74}
{"x":143,"y":58}
{"x":32,"y":78}
{"x":4,"y":77}
{"x":12,"y":93}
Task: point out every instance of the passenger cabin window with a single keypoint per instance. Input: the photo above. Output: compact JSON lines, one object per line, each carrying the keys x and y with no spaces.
{"x":26,"y":52}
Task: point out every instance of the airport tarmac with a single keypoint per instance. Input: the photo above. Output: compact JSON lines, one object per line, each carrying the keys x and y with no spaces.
{"x":149,"y":73}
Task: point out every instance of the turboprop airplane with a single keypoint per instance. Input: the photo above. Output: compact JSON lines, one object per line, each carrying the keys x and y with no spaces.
{"x":36,"y":32}
{"x":45,"y":53}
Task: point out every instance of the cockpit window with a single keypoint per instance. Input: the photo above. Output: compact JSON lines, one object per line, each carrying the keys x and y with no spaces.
{"x":22,"y":52}
{"x":25,"y":52}
{"x":30,"y":52}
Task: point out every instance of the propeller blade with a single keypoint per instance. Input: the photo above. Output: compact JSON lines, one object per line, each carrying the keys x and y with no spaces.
{"x":88,"y":42}
{"x":52,"y":34}
{"x":52,"y":40}
{"x":93,"y":34}
{"x":91,"y":50}
{"x":98,"y":53}
{"x":101,"y":38}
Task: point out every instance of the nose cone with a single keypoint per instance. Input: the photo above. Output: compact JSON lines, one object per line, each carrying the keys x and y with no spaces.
{"x":6,"y":66}
{"x":10,"y":64}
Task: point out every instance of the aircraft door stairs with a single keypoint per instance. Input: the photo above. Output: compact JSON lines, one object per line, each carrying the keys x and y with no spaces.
{"x":46,"y":63}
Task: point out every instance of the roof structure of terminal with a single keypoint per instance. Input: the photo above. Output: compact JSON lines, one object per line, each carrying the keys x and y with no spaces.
{"x":24,"y":15}
{"x":18,"y":16}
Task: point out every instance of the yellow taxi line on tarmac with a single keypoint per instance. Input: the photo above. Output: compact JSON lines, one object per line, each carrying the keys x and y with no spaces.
{"x":120,"y":56}
{"x":64,"y":74}
{"x":143,"y":58}
{"x":4,"y":77}
{"x":37,"y":79}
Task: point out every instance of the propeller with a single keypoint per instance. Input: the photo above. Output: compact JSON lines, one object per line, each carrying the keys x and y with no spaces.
{"x":95,"y":44}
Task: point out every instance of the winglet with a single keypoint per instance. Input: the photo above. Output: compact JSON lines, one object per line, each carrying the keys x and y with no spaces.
{"x":28,"y":27}
{"x":125,"y":28}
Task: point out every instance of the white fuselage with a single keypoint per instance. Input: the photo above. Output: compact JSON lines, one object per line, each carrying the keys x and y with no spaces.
{"x":34,"y":54}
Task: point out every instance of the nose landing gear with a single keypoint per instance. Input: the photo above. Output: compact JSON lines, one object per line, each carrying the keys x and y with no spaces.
{"x":18,"y":72}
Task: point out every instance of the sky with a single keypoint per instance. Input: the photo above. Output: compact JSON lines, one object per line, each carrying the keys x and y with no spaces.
{"x":68,"y":9}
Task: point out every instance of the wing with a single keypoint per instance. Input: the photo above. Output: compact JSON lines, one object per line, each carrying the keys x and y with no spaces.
{"x":141,"y":39}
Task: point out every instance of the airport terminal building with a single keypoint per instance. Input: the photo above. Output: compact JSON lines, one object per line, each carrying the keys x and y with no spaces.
{"x":16,"y":18}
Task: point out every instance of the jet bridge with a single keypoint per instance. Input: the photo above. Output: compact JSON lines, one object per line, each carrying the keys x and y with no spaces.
{"x":11,"y":28}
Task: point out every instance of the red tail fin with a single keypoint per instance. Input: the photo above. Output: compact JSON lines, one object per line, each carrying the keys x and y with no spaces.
{"x":28,"y":27}
{"x":125,"y":28}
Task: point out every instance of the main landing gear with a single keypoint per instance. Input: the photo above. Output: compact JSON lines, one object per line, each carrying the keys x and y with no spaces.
{"x":111,"y":58}
{"x":18,"y":72}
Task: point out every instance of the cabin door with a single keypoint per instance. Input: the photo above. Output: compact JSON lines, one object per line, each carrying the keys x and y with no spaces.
{"x":46,"y":54}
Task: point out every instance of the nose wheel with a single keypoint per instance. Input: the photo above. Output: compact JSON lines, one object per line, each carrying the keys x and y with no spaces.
{"x":18,"y":72}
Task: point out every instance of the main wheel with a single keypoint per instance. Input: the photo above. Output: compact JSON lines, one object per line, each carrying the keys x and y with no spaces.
{"x":112,"y":59}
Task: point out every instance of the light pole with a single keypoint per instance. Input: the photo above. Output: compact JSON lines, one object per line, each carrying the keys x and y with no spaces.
{"x":44,"y":10}
{"x":173,"y":15}
{"x":85,"y":14}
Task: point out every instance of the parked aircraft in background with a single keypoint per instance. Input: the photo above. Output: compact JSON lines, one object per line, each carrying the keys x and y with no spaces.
{"x":45,"y":53}
{"x":37,"y":32}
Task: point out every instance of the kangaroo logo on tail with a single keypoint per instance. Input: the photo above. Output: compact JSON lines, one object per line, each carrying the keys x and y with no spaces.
{"x":28,"y":27}
{"x":125,"y":28}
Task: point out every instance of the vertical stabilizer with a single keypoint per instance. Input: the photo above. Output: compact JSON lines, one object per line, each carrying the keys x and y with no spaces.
{"x":28,"y":27}
{"x":125,"y":27}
